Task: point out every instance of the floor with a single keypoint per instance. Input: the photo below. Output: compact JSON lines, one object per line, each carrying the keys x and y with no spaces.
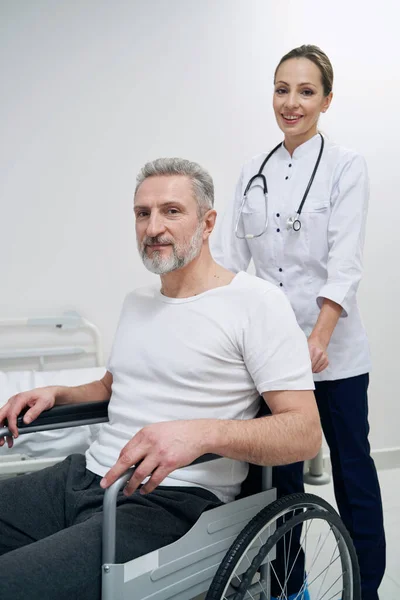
{"x":390,"y":487}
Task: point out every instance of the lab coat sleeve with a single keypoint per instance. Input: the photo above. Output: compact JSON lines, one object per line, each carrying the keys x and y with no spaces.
{"x":227,"y":249}
{"x":346,"y":233}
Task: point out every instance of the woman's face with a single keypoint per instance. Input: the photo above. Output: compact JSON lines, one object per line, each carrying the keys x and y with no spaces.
{"x":299,"y":98}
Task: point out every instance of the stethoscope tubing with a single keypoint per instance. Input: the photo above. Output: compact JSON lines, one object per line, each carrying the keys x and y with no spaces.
{"x":292,"y":222}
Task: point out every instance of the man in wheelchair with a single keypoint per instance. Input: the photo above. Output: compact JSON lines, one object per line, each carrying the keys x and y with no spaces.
{"x":187,"y":367}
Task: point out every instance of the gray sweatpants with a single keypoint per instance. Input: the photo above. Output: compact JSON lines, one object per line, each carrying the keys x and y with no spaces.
{"x":50,"y":529}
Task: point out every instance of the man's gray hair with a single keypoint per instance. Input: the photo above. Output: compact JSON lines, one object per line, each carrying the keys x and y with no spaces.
{"x":202,"y":183}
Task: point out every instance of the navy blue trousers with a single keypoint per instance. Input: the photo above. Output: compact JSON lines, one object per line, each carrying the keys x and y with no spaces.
{"x":343,"y":408}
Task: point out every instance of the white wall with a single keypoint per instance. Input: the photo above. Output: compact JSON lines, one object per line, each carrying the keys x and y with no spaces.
{"x":93,"y":89}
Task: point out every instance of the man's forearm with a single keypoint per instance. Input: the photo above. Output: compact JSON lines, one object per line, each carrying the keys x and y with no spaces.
{"x":96,"y":391}
{"x":276,"y":440}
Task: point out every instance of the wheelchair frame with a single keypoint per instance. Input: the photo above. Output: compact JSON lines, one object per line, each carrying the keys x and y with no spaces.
{"x":182,"y":570}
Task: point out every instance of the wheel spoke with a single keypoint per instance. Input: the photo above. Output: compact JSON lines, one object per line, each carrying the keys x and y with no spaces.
{"x":315,"y":552}
{"x":296,"y":557}
{"x":323,"y":570}
{"x":288,"y":555}
{"x":330,"y":587}
{"x":277,"y":578}
{"x":327,"y":570}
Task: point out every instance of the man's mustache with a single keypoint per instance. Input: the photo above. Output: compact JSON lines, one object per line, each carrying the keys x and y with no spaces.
{"x":153,"y":241}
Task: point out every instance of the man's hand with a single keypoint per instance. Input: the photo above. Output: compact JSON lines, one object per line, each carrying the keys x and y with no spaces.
{"x":38,"y":400}
{"x":160,"y":449}
{"x":318,"y":354}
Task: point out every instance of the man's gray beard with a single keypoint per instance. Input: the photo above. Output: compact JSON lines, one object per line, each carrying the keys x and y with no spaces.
{"x":180,"y":257}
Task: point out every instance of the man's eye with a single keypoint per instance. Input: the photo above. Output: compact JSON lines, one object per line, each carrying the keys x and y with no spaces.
{"x":141,"y":214}
{"x":173,"y":211}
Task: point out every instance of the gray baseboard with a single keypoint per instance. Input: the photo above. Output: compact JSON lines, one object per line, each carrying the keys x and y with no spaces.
{"x":387,"y":458}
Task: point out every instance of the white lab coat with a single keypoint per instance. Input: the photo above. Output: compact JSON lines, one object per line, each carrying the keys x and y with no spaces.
{"x":324,"y":258}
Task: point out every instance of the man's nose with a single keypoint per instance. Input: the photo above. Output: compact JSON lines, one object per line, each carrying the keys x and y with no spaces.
{"x":155,"y":225}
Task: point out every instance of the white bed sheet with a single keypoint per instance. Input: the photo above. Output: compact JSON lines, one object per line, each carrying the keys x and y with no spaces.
{"x":59,"y":442}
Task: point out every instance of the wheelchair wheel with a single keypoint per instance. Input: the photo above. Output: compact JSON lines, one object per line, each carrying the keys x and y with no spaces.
{"x":299,"y":534}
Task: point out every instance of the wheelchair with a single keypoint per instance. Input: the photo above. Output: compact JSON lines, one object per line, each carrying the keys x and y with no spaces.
{"x":232,"y":551}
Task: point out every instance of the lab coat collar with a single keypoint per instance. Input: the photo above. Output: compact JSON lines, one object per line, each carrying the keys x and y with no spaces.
{"x":302,"y":150}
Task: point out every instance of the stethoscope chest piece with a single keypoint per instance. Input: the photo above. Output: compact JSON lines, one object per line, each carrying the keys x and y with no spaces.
{"x":293,"y":223}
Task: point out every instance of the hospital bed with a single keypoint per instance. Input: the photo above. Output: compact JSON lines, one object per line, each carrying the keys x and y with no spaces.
{"x":230,"y":552}
{"x":40,"y":351}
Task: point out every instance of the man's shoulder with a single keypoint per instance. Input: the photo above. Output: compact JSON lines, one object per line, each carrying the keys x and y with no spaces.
{"x":141,"y":295}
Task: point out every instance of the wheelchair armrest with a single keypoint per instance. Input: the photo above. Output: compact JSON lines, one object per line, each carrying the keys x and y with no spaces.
{"x":73,"y":415}
{"x":63,"y":416}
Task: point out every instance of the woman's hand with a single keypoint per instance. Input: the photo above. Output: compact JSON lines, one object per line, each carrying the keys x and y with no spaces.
{"x":318,"y":354}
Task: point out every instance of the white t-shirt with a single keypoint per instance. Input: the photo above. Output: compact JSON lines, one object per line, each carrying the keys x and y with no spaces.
{"x":207,"y":356}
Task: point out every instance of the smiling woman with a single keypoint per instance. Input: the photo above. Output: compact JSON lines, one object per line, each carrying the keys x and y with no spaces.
{"x":317,"y":261}
{"x":303,"y":90}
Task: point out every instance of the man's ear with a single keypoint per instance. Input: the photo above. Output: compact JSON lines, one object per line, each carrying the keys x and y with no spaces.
{"x":209,"y":223}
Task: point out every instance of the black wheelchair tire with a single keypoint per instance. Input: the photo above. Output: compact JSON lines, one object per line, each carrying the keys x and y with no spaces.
{"x":315,"y":508}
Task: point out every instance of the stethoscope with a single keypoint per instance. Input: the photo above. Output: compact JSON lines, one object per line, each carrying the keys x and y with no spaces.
{"x":292,"y":222}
